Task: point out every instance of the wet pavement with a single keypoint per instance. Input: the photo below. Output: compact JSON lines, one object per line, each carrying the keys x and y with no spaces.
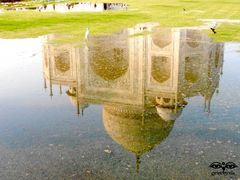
{"x":160,"y":106}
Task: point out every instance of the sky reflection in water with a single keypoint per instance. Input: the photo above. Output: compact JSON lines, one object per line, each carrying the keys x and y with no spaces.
{"x":161,"y":105}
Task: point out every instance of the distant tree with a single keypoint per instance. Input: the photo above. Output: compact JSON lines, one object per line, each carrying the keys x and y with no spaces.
{"x":6,"y":1}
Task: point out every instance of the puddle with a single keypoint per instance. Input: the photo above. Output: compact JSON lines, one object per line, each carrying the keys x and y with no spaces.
{"x":221,"y":20}
{"x":121,"y":107}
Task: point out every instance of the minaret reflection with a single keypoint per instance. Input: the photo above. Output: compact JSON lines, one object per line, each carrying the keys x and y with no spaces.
{"x":142,"y":82}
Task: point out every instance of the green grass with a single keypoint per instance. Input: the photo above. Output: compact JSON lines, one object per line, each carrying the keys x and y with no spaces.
{"x":168,"y":13}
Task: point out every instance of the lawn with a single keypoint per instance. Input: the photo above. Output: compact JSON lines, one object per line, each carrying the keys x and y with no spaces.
{"x":169,"y":13}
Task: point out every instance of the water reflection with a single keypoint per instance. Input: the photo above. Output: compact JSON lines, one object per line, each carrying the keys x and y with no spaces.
{"x":142,"y":82}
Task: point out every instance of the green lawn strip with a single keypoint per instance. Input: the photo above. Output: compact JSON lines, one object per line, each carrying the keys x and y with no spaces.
{"x":168,"y":13}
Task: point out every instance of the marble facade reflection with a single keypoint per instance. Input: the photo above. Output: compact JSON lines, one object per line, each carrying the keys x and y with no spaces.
{"x":142,"y":82}
{"x":164,"y":67}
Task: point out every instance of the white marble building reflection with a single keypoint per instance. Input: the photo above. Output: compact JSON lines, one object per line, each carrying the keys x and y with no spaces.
{"x":162,"y":68}
{"x":141,"y":81}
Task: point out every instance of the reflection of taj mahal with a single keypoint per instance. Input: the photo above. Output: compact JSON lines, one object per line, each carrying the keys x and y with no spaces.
{"x":141,"y":81}
{"x":168,"y":65}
